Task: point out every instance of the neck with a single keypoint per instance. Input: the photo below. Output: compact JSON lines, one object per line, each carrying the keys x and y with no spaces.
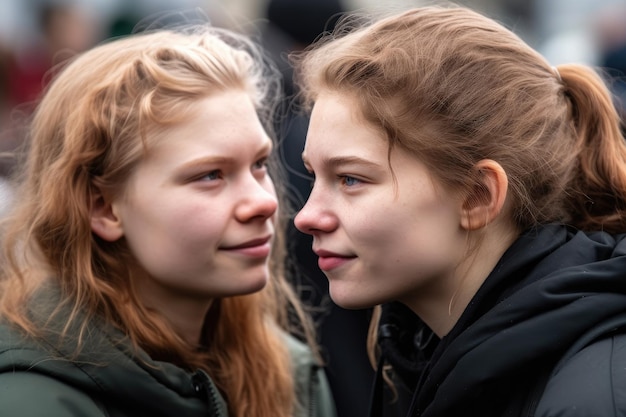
{"x":441,"y":309}
{"x":185,"y":313}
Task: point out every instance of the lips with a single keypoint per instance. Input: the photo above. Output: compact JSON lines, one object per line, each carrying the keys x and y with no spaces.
{"x":251,"y":243}
{"x":330,"y":260}
{"x":254,"y":248}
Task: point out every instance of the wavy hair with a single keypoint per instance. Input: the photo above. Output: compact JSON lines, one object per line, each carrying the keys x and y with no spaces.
{"x":452,"y":87}
{"x":87,"y":135}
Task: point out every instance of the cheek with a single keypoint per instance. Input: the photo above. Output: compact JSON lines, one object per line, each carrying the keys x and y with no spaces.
{"x":374,"y":228}
{"x":181,"y":224}
{"x":196,"y":224}
{"x":409,"y":230}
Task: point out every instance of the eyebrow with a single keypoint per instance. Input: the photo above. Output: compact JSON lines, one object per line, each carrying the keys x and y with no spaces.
{"x":200,"y":163}
{"x":336,"y":161}
{"x":266,"y":148}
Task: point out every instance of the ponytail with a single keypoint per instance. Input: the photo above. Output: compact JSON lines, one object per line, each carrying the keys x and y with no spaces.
{"x":597,"y":192}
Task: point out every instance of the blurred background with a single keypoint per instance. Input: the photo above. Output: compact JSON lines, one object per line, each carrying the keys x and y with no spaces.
{"x":35,"y":35}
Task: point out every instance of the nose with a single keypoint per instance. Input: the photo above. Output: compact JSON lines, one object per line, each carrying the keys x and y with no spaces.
{"x":258,"y":201}
{"x":315,"y":217}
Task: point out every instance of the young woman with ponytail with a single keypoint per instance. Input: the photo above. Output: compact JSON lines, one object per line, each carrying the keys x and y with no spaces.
{"x":478,"y":195}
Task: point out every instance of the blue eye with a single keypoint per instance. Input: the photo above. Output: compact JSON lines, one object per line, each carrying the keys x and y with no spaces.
{"x":211,"y":176}
{"x":349,"y":181}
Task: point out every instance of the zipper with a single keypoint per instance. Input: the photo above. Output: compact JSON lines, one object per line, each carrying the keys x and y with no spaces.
{"x":205,"y":389}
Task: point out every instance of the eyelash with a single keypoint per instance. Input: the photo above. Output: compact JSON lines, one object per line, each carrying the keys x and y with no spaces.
{"x":261,"y":163}
{"x":216,"y":174}
{"x":345,"y":178}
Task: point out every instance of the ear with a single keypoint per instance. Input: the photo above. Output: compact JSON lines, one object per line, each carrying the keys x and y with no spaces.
{"x":487,"y":197}
{"x":105,"y":222}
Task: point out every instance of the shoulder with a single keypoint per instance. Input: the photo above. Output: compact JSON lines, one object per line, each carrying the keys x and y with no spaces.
{"x":32,"y":380}
{"x":31,"y":394}
{"x":591,"y":382}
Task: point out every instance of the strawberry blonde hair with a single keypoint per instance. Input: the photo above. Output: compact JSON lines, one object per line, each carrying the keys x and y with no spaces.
{"x":453,"y":87}
{"x":88,"y":134}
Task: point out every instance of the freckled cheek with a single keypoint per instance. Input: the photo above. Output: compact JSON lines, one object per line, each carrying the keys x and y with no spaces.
{"x":388,"y":227}
{"x":372,"y":230}
{"x":379,"y":237}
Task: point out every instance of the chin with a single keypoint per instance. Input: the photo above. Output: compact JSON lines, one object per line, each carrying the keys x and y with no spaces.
{"x":351,"y":301}
{"x":254,"y":286}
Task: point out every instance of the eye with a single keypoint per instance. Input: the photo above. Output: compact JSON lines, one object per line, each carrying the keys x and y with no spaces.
{"x":211,"y":176}
{"x":260,"y":164}
{"x":349,"y":181}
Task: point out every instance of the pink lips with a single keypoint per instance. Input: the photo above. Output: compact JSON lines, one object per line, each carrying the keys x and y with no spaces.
{"x":256,"y":248}
{"x":329,"y":260}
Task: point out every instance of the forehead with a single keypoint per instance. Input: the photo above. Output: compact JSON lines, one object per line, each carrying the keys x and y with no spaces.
{"x":226,"y":117}
{"x":334,"y":109}
{"x":220,"y":128}
{"x":337,"y":126}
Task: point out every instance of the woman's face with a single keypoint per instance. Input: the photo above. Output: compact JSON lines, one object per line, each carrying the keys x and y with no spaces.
{"x":198,"y":211}
{"x":378,"y":237}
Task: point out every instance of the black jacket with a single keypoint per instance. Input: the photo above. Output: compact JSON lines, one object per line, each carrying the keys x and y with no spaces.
{"x":545,"y":333}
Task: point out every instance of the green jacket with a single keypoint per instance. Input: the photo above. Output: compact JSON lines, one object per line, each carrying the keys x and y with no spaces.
{"x":37,"y":380}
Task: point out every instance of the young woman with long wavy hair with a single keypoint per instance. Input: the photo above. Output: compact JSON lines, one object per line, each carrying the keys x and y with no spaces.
{"x":143,"y":259}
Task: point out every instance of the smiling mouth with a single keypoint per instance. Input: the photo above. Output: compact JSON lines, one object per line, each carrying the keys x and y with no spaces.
{"x":250,"y":244}
{"x":256,"y":248}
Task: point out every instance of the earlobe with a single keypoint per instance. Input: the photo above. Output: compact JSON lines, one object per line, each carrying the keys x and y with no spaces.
{"x":487,"y":197}
{"x":105,"y":222}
